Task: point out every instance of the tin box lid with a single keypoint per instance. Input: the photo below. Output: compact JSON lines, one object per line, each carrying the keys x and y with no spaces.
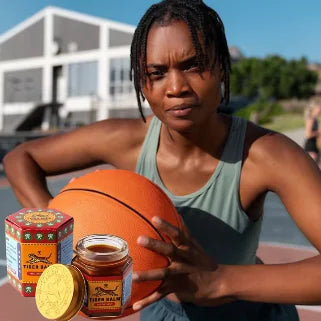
{"x":39,"y":218}
{"x":60,"y":292}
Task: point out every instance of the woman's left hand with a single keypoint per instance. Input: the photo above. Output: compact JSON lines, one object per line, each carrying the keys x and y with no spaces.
{"x":191,"y":275}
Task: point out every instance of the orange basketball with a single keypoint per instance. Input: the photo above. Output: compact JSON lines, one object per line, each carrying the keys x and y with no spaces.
{"x":121,"y":203}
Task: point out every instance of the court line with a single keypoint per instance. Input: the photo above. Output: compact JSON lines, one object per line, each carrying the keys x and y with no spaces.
{"x":289,"y":246}
{"x":4,"y":281}
{"x":309,"y":308}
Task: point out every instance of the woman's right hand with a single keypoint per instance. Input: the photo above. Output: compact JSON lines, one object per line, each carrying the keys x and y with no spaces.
{"x":192,"y":276}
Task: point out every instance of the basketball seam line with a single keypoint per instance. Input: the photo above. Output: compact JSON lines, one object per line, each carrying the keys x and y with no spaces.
{"x":119,"y":201}
{"x":150,"y":182}
{"x":169,"y":202}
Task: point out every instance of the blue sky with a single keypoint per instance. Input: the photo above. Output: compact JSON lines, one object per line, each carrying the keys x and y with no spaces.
{"x":290,"y":28}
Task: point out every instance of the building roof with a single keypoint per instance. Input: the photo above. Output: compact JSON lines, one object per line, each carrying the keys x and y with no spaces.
{"x":50,"y":10}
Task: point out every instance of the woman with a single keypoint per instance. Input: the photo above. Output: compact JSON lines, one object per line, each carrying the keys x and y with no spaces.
{"x":312,"y":131}
{"x":217,"y":170}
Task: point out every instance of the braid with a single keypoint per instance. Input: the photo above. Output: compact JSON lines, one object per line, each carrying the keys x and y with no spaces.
{"x":201,"y":20}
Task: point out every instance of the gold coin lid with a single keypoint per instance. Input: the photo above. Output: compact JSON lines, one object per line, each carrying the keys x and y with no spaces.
{"x":60,"y":292}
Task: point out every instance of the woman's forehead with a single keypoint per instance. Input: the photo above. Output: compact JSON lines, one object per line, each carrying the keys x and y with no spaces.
{"x":173,"y":38}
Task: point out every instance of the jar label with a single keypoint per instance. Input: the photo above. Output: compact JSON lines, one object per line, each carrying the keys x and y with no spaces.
{"x":127,"y":286}
{"x":35,"y":259}
{"x":35,"y":239}
{"x":108,"y":293}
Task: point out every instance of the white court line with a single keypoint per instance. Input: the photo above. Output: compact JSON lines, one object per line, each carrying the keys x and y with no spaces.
{"x":289,"y":246}
{"x":4,"y":186}
{"x":3,"y":281}
{"x":309,"y":307}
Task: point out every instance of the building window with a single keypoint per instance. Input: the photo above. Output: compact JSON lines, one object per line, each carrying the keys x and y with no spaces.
{"x":82,"y":79}
{"x":23,"y":86}
{"x":120,"y":84}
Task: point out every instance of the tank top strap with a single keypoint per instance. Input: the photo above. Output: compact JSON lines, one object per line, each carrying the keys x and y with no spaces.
{"x":145,"y":162}
{"x":232,"y":159}
{"x":233,"y":150}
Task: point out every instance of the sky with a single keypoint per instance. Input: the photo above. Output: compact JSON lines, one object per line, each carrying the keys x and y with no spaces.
{"x":290,"y":28}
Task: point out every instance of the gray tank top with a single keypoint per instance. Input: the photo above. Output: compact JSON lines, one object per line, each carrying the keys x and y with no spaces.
{"x":213,"y":213}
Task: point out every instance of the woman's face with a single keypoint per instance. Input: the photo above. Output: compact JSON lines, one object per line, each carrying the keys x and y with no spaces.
{"x":178,"y":95}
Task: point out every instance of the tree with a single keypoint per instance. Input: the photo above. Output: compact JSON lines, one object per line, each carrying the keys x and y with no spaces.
{"x":268,"y":80}
{"x":272,"y":78}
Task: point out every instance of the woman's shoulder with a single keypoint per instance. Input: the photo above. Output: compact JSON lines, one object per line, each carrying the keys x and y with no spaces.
{"x":265,"y":147}
{"x":125,"y":130}
{"x":271,"y":159}
{"x":122,"y":138}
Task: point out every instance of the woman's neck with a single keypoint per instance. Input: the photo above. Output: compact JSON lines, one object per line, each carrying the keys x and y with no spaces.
{"x":208,"y":138}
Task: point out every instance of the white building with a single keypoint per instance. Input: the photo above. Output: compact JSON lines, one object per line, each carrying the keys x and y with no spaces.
{"x":62,"y":56}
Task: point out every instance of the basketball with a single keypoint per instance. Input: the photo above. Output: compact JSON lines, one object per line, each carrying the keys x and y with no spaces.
{"x":121,"y":203}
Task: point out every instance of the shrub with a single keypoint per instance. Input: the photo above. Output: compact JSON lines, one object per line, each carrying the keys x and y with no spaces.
{"x":261,"y":112}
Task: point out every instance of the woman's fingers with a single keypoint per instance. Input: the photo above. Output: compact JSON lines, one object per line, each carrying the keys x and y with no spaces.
{"x":148,"y":300}
{"x":167,"y":249}
{"x":160,"y":247}
{"x":175,"y":234}
{"x":150,"y":275}
{"x":162,"y":274}
{"x":188,"y":248}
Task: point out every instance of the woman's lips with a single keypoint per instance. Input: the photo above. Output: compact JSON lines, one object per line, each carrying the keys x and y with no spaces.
{"x":180,"y":110}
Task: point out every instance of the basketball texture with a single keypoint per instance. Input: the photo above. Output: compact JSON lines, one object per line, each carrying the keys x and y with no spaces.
{"x":121,"y":203}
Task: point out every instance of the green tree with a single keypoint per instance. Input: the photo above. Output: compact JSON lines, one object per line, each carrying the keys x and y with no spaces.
{"x":272,"y":77}
{"x":268,"y":80}
{"x":243,"y":79}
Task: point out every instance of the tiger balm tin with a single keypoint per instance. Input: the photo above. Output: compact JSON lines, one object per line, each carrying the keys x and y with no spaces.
{"x":36,"y":239}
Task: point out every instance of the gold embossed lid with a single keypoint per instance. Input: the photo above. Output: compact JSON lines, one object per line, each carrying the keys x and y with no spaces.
{"x":60,"y":292}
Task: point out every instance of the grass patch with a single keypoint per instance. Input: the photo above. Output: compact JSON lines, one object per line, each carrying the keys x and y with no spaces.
{"x":286,"y":122}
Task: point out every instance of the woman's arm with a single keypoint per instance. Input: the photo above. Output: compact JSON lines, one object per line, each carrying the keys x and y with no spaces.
{"x":293,"y":283}
{"x":26,"y":177}
{"x":280,"y":166}
{"x":27,"y":166}
{"x":284,"y":168}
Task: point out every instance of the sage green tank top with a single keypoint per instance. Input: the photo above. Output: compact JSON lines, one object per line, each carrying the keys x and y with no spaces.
{"x":213,"y":214}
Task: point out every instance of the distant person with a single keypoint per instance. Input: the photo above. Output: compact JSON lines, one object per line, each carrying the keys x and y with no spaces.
{"x":216,"y":168}
{"x":312,"y":131}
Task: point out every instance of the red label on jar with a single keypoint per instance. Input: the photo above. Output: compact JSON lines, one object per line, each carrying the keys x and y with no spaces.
{"x":108,"y":293}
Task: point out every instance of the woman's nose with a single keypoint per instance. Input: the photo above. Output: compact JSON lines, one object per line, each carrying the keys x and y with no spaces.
{"x":177,"y":84}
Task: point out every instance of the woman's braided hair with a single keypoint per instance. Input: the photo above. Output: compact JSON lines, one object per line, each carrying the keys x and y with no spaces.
{"x":203,"y":22}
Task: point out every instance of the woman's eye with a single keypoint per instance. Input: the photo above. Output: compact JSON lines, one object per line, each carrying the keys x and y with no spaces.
{"x":192,"y":67}
{"x":155,"y":74}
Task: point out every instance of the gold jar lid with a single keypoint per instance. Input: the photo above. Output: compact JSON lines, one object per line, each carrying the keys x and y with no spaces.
{"x":60,"y":292}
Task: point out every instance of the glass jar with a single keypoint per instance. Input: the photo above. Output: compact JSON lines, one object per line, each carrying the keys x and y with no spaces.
{"x":107,"y":269}
{"x":100,"y":286}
